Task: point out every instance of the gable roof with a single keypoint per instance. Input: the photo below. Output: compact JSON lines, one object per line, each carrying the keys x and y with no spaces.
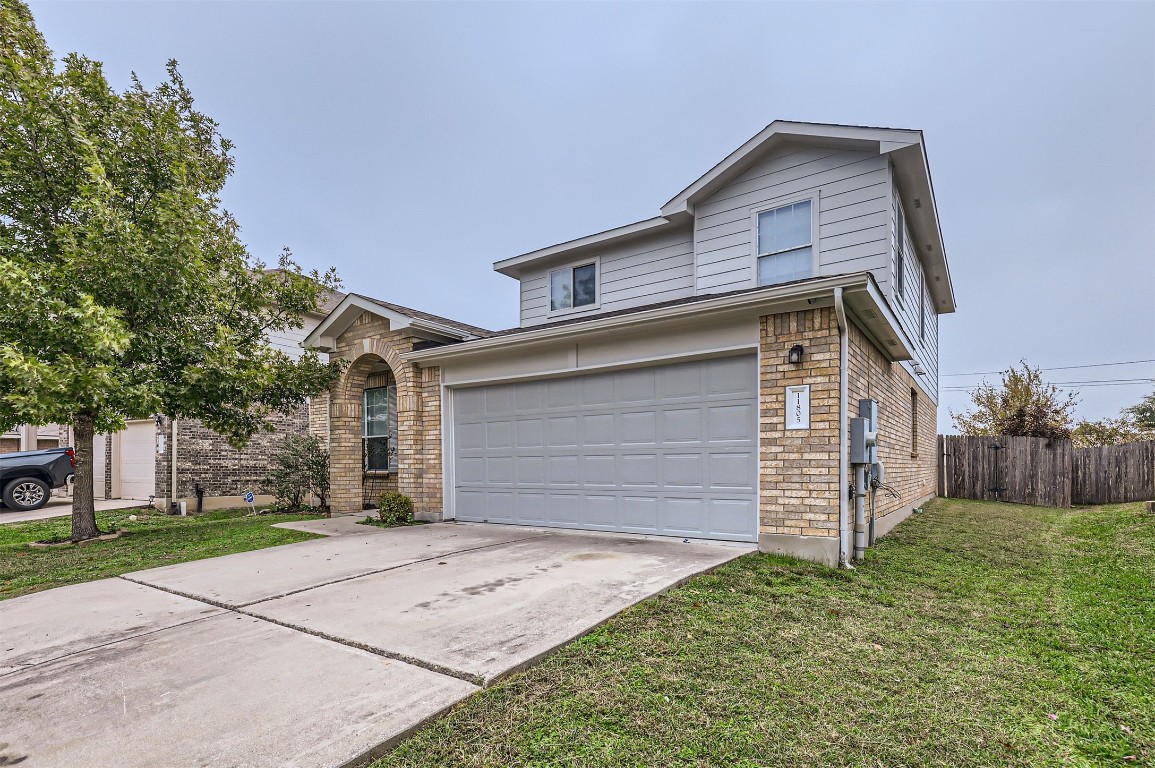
{"x":907,"y":153}
{"x":423,"y":324}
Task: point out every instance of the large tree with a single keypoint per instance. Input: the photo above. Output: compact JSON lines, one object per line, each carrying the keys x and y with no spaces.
{"x":1021,"y":404}
{"x":125,"y":290}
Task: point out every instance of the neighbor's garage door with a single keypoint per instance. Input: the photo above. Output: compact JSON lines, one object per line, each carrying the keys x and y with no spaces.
{"x":137,"y":448}
{"x":669,"y":450}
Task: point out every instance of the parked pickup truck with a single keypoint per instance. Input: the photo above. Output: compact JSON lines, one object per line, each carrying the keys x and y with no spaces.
{"x":28,"y":477}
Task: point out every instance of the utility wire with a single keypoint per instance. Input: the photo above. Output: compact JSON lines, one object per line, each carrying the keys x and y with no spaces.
{"x":1106,"y":383}
{"x":1059,"y":368}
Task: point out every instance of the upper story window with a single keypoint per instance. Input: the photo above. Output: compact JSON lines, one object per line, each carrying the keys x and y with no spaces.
{"x":785,"y":243}
{"x":379,"y":429}
{"x":573,"y":287}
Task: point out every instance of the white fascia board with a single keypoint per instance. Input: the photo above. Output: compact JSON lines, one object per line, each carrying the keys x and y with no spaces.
{"x":682,"y":204}
{"x":514,"y":266}
{"x":877,"y":320}
{"x":323,"y":338}
{"x":913,"y":171}
{"x":808,"y":294}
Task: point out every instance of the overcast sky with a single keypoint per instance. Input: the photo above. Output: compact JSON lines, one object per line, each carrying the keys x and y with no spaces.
{"x":412,"y":145}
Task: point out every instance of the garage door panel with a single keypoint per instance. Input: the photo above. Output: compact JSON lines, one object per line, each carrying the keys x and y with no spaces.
{"x":529,"y":396}
{"x":680,"y":382}
{"x":639,"y":470}
{"x":730,"y":423}
{"x":499,"y":400}
{"x":563,"y":431}
{"x":639,"y":428}
{"x":637,"y":385}
{"x":731,"y":471}
{"x":564,"y":509}
{"x":666,"y":450}
{"x":597,"y":390}
{"x":563,"y":470}
{"x":600,"y":470}
{"x":731,"y":515}
{"x":561,"y":393}
{"x":598,"y":429}
{"x":732,"y":376}
{"x":639,"y":513}
{"x":531,"y":470}
{"x":684,"y":471}
{"x":529,"y":433}
{"x":470,"y":437}
{"x":684,"y":517}
{"x":682,"y":425}
{"x":531,"y":508}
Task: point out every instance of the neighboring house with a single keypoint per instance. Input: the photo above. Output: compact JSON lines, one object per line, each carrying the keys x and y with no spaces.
{"x":645,"y":389}
{"x":136,"y":463}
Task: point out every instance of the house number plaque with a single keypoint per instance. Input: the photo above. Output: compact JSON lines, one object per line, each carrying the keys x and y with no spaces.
{"x":798,"y":407}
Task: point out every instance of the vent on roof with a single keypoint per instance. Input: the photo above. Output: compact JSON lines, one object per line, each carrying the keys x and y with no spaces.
{"x":869,"y":313}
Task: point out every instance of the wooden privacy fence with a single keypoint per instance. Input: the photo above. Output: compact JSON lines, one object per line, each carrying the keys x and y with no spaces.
{"x":1048,"y":473}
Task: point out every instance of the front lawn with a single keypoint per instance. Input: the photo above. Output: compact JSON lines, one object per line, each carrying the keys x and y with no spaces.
{"x":978,"y":634}
{"x":159,"y":540}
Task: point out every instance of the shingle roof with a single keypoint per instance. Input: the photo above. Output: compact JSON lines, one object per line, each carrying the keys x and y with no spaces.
{"x":472,"y":330}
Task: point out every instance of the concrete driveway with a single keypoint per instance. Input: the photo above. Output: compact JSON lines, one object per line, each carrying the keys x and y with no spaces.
{"x":321,"y":653}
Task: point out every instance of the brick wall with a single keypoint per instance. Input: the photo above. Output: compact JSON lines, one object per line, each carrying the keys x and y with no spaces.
{"x":798,"y":483}
{"x":907,"y":448}
{"x":206,"y":458}
{"x":366,"y":344}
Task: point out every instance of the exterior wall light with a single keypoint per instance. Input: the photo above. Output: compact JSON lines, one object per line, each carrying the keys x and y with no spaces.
{"x":794,"y":356}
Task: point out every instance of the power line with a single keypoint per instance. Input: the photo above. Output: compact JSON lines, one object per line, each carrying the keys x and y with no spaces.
{"x":1080,"y":384}
{"x":1059,"y":368}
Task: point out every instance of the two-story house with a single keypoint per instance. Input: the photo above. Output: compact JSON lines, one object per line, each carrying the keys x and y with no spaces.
{"x":690,"y":375}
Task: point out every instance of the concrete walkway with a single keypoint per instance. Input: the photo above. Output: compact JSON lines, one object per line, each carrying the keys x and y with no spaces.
{"x":59,"y":507}
{"x":321,"y":653}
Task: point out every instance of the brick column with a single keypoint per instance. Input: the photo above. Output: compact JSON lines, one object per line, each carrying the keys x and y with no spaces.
{"x":798,"y":469}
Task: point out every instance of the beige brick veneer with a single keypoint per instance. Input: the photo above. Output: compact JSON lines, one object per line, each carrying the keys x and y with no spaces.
{"x":366,"y":344}
{"x":798,"y":483}
{"x":907,"y":448}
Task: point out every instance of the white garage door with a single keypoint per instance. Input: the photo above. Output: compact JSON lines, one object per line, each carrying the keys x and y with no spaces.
{"x":668,"y":450}
{"x":137,"y":460}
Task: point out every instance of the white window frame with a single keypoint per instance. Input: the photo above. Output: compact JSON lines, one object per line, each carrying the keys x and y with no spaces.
{"x":390,"y":431}
{"x":571,"y":266}
{"x":770,"y":205}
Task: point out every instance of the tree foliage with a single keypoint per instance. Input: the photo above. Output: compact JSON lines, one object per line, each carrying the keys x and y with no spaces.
{"x":125,"y":290}
{"x":1143,"y":412}
{"x":1118,"y":431}
{"x":1022,"y":404}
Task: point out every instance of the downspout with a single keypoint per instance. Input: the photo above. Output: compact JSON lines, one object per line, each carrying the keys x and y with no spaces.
{"x":843,"y":398}
{"x":174,"y":505}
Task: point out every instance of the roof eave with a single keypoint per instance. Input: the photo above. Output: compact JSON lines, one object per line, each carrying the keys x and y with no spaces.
{"x":513,"y":267}
{"x":324,"y":337}
{"x":862,"y":294}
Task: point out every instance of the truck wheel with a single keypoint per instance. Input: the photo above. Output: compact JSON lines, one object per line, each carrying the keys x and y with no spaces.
{"x":26,"y":494}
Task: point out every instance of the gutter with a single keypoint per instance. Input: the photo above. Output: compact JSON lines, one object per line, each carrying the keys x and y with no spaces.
{"x":819,"y":289}
{"x":843,"y":397}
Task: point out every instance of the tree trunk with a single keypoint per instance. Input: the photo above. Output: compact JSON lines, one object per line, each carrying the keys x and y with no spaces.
{"x":83,"y":502}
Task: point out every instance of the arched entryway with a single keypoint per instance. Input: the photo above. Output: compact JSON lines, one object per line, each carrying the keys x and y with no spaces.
{"x":369,"y":442}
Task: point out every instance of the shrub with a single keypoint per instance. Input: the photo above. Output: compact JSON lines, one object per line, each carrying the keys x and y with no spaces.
{"x":300,"y":466}
{"x":395,"y":508}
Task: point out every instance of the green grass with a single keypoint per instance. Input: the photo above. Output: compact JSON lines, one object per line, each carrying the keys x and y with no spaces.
{"x":952,"y":645}
{"x":159,"y":540}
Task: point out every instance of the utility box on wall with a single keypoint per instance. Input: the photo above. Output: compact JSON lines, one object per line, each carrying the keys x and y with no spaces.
{"x":864,"y":434}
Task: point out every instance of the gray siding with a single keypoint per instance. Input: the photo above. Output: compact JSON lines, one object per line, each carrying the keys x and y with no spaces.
{"x":631,"y":274}
{"x":289,"y":340}
{"x":916,"y":299}
{"x":851,"y":190}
